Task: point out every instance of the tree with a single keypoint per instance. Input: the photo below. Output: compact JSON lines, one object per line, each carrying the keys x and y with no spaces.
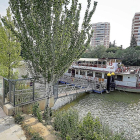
{"x":112,"y":49}
{"x":137,"y":48}
{"x":133,"y":42}
{"x":9,"y":48}
{"x":130,"y":56}
{"x":49,"y":35}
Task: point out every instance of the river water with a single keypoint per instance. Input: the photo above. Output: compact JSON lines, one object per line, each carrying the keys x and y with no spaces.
{"x":120,"y":110}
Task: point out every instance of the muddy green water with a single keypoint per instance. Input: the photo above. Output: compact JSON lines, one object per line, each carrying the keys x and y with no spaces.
{"x":120,"y":110}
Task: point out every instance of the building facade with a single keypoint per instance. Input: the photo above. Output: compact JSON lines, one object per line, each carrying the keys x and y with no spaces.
{"x":136,"y":28}
{"x":101,"y":34}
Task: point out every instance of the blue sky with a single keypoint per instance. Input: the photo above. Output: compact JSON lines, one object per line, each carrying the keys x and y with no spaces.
{"x":118,"y":12}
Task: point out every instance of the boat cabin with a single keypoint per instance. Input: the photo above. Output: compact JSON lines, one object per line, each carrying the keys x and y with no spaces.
{"x":97,"y":69}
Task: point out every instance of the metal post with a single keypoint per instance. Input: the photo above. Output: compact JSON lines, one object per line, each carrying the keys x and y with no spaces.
{"x":3,"y":91}
{"x":33,"y":90}
{"x":10,"y":91}
{"x":14,"y":95}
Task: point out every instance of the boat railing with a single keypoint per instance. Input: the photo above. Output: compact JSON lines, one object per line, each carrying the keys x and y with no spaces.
{"x":134,"y":67}
{"x":130,"y":70}
{"x":92,"y":65}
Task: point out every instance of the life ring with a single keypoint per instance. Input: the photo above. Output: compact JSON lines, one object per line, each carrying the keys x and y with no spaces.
{"x":118,"y":70}
{"x":126,"y":69}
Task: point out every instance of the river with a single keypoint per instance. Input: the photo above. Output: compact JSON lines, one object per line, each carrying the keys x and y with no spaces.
{"x":120,"y":110}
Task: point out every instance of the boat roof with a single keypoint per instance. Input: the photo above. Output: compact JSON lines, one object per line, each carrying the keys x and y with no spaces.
{"x":88,"y":59}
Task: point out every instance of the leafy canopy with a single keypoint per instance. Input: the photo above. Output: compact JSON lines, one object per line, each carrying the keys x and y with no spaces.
{"x":49,"y":34}
{"x":9,"y":48}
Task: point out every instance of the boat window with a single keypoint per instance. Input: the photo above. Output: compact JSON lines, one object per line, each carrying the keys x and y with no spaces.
{"x":82,"y":72}
{"x":104,"y":62}
{"x":98,"y":74}
{"x":90,"y":73}
{"x":119,"y":77}
{"x":95,"y":62}
{"x":99,"y":62}
{"x":69,"y":71}
{"x":76,"y":71}
{"x":105,"y":76}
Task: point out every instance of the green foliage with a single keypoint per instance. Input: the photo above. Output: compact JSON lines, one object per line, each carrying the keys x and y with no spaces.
{"x":9,"y":48}
{"x":52,"y":34}
{"x":112,"y":49}
{"x":18,"y":118}
{"x":36,"y":112}
{"x":130,"y":56}
{"x":133,"y":42}
{"x":89,"y":128}
{"x":24,"y":76}
{"x":67,"y":123}
{"x":97,"y":52}
{"x":36,"y":137}
{"x":137,"y":48}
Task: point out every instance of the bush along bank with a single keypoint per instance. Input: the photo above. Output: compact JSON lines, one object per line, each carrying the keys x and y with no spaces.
{"x":70,"y":128}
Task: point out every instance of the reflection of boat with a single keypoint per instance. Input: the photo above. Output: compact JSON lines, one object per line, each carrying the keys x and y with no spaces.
{"x":126,"y":78}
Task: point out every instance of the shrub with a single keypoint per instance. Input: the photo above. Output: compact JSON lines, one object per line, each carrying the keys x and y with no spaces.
{"x":36,"y":112}
{"x":18,"y":118}
{"x":67,"y":123}
{"x":90,"y":128}
{"x":36,"y":137}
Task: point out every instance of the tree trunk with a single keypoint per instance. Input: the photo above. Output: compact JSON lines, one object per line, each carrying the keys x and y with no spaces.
{"x":9,"y":68}
{"x":49,"y":92}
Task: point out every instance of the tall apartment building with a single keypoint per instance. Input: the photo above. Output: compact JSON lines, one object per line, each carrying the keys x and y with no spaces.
{"x":101,"y":34}
{"x":136,"y":28}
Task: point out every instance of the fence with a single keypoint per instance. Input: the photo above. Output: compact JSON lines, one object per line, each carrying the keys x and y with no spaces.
{"x":24,"y":91}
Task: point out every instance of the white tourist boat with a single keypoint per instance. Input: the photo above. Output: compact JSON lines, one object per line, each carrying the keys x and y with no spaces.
{"x":126,"y":78}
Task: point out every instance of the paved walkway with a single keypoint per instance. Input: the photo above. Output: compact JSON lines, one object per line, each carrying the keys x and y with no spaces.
{"x":8,"y":129}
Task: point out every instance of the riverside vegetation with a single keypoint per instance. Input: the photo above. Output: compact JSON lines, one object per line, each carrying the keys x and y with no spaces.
{"x":67,"y":125}
{"x":89,"y":128}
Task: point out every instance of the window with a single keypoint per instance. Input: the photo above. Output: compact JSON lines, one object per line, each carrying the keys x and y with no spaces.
{"x":69,"y":71}
{"x":98,"y":74}
{"x":82,"y":72}
{"x":90,"y":73}
{"x":118,"y":77}
{"x":76,"y":71}
{"x":105,"y":76}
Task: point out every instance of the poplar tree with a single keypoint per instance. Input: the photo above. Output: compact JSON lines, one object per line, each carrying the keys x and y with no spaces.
{"x":9,"y":48}
{"x":49,"y":33}
{"x":133,"y":42}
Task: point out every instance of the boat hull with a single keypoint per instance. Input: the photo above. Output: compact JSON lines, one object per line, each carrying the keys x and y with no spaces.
{"x":128,"y":89}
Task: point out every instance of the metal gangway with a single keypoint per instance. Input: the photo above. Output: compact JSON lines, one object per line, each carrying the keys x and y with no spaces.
{"x":74,"y":85}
